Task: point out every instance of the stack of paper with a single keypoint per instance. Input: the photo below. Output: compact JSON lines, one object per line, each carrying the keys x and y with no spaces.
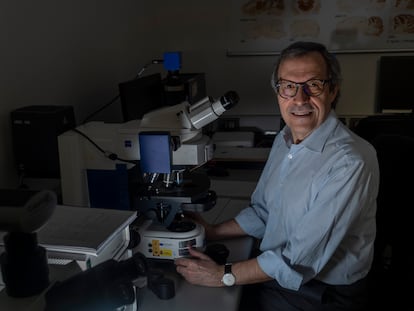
{"x":87,"y":235}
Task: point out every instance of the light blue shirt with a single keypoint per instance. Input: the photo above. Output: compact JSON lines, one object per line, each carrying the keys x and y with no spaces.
{"x":314,"y":207}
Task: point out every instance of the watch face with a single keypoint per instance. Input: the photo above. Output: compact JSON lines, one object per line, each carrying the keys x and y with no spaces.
{"x":229,"y":279}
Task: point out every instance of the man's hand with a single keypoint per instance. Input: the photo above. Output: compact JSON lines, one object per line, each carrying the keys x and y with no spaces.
{"x":200,"y":269}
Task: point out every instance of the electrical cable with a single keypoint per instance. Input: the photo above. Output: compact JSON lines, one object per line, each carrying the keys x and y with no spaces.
{"x":110,"y":155}
{"x":100,"y":109}
{"x":113,"y":100}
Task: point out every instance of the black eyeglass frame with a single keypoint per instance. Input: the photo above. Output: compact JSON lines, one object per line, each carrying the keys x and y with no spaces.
{"x":304,"y":85}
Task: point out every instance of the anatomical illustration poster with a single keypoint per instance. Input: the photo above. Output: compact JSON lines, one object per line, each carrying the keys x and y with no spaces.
{"x":262,"y":26}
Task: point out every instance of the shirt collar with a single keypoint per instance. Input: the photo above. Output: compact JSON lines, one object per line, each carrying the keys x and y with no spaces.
{"x":317,"y":139}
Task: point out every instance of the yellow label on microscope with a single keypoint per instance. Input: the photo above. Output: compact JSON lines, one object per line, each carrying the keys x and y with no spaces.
{"x":156,"y":251}
{"x":166,"y":252}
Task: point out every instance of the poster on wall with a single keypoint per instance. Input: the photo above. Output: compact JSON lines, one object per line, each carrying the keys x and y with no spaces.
{"x":267,"y":26}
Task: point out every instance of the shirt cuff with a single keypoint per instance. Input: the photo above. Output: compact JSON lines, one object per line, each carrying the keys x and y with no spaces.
{"x":274,"y":266}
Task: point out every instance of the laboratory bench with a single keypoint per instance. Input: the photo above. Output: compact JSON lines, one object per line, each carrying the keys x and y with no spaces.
{"x":187,"y":297}
{"x":233,"y":176}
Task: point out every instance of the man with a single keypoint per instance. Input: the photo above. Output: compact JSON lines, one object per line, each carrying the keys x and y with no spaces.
{"x":314,"y":206}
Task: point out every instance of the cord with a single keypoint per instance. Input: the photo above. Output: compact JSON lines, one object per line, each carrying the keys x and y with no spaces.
{"x":110,"y":155}
{"x":113,"y":100}
{"x":153,"y":62}
{"x":100,"y":109}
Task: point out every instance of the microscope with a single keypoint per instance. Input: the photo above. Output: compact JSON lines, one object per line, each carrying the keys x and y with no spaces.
{"x":148,"y":165}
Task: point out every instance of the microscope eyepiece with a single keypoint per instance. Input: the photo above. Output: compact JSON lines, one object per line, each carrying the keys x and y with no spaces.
{"x":229,"y":100}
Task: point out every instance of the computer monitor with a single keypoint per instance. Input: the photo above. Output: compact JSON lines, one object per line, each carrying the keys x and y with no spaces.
{"x":395,"y":84}
{"x":140,"y":96}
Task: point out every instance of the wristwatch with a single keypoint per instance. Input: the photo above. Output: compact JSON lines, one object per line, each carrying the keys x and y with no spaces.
{"x":228,"y":278}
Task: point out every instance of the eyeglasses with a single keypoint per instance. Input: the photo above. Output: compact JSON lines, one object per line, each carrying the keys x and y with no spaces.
{"x":288,"y":89}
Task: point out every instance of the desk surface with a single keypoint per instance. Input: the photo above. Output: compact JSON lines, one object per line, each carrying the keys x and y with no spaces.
{"x":187,"y":297}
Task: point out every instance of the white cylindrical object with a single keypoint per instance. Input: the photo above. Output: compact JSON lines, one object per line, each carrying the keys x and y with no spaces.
{"x":206,"y":113}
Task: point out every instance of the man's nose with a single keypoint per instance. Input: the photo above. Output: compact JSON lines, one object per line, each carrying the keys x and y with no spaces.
{"x":302,"y":92}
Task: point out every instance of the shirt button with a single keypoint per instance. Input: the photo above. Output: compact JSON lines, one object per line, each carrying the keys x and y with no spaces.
{"x":290,"y":156}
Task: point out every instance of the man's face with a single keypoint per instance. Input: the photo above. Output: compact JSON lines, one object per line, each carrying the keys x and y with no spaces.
{"x":304,"y":112}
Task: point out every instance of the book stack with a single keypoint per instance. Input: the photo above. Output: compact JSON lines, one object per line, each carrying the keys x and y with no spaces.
{"x":88,"y":236}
